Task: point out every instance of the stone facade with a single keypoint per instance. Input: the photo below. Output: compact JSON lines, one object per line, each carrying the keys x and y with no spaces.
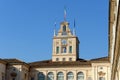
{"x":114,"y":39}
{"x":13,"y":69}
{"x":93,"y":72}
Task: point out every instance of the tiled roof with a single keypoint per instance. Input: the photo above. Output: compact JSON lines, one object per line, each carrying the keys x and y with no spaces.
{"x":49,"y":63}
{"x":105,"y":59}
{"x":15,"y":61}
{"x":2,"y":61}
{"x":78,"y":63}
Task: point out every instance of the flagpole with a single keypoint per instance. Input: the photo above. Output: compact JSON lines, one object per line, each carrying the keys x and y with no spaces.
{"x":64,"y":13}
{"x":55,"y":28}
{"x":74,"y":32}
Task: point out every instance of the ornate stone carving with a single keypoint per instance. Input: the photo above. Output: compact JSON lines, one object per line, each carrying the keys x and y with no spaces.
{"x":101,"y":73}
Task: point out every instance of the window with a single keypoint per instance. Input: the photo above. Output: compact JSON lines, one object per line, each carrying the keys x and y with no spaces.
{"x":70,"y":59}
{"x":63,"y":59}
{"x":64,"y":28}
{"x":32,"y":78}
{"x":14,"y":69}
{"x":25,"y":76}
{"x":80,"y":76}
{"x":3,"y":77}
{"x":41,"y":76}
{"x":70,"y":49}
{"x":101,"y":67}
{"x":50,"y":76}
{"x":13,"y":78}
{"x":101,"y":78}
{"x":64,"y":50}
{"x":57,"y":59}
{"x":60,"y":76}
{"x":57,"y":50}
{"x":70,"y":76}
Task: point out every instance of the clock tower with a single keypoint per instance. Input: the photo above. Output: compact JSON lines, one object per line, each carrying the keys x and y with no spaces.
{"x":65,"y":44}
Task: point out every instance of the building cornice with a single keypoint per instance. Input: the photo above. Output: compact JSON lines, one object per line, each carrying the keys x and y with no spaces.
{"x":3,"y":62}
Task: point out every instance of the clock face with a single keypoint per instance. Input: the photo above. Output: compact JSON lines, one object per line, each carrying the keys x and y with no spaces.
{"x":64,"y":42}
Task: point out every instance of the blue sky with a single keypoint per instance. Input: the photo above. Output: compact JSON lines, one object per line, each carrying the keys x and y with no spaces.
{"x":26,"y":27}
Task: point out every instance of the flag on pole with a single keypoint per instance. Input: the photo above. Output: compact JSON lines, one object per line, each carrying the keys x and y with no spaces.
{"x":55,"y":28}
{"x":55,"y":24}
{"x":74,"y":32}
{"x":74,"y":23}
{"x":65,"y":13}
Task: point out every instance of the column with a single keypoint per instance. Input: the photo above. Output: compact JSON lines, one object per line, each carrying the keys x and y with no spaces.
{"x":75,"y":75}
{"x":45,"y":73}
{"x":65,"y":75}
{"x":55,"y":75}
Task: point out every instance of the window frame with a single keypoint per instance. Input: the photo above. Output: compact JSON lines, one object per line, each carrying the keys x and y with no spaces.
{"x":70,"y":49}
{"x":70,"y":59}
{"x":50,"y":76}
{"x":57,"y":50}
{"x":64,"y":28}
{"x":57,"y":59}
{"x":64,"y":49}
{"x":80,"y":74}
{"x":41,"y":77}
{"x":60,"y":76}
{"x":64,"y":59}
{"x":70,"y":76}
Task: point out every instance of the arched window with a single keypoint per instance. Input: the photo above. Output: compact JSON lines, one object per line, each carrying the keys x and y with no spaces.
{"x":70,"y":76}
{"x":80,"y":76}
{"x":60,"y":76}
{"x":57,"y":59}
{"x":64,"y":28}
{"x":50,"y":76}
{"x":41,"y":76}
{"x":70,"y":59}
{"x":64,"y":50}
{"x":57,"y":49}
{"x":70,"y":49}
{"x":64,"y":59}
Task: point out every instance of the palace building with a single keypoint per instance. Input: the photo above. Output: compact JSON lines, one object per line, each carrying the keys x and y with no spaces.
{"x":65,"y":63}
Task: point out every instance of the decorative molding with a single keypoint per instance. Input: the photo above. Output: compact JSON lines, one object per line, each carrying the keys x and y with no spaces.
{"x":101,"y":73}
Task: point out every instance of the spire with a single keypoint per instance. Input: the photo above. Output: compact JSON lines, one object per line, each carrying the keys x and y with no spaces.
{"x":55,"y":29}
{"x":64,"y":13}
{"x":74,"y":32}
